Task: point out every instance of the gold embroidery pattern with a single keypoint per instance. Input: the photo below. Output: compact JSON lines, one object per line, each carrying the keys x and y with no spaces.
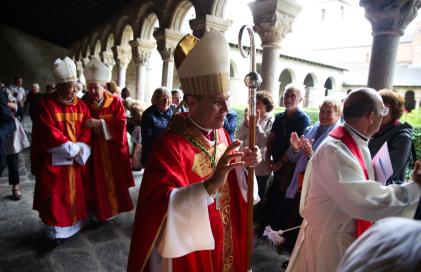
{"x":108,"y":175}
{"x":228,"y":258}
{"x":72,"y":193}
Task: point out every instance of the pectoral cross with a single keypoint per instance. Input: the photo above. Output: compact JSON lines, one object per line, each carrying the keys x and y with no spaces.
{"x":218,"y":196}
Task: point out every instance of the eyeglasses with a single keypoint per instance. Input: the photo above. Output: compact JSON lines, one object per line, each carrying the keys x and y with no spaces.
{"x":384,"y":111}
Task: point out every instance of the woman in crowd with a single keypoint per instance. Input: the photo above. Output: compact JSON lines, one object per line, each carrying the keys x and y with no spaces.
{"x":293,"y":119}
{"x":397,"y":135}
{"x":264,"y":107}
{"x":155,"y":120}
{"x":136,"y":137}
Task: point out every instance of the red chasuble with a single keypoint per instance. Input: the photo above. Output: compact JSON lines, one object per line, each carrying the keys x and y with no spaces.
{"x":342,"y":134}
{"x":175,"y":162}
{"x":59,"y":190}
{"x":111,"y":173}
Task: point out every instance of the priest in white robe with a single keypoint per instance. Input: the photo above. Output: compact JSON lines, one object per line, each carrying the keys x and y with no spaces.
{"x":340,"y":187}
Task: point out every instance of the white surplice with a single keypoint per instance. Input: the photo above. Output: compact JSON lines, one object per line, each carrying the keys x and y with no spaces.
{"x":335,"y":192}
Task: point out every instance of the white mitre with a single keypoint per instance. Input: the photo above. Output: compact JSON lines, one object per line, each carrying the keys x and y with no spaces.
{"x":96,"y":72}
{"x":203,"y":66}
{"x":64,"y":70}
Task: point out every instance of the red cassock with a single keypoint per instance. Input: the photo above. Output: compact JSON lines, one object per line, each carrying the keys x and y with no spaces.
{"x":175,"y":162}
{"x":59,"y":195}
{"x":111,"y":172}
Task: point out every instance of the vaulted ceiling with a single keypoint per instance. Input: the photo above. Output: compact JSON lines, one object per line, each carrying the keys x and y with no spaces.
{"x":58,"y":21}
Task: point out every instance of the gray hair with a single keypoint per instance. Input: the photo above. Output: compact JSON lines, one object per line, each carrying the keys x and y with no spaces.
{"x":36,"y":86}
{"x":335,"y":102}
{"x":296,"y":87}
{"x":158,"y":93}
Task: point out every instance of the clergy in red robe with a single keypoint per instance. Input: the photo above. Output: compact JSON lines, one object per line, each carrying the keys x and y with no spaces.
{"x":191,"y":211}
{"x":58,"y":155}
{"x":111,"y":171}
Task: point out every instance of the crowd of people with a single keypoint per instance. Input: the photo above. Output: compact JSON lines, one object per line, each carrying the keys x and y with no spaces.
{"x":193,"y":194}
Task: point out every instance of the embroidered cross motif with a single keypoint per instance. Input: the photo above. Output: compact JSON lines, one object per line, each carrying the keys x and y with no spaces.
{"x":93,"y":69}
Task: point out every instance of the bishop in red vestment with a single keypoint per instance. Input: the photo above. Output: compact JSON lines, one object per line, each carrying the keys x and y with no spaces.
{"x":111,"y":171}
{"x":58,"y":155}
{"x":191,"y":212}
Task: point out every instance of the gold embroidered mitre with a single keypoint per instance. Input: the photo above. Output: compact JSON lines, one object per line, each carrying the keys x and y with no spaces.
{"x":203,"y":66}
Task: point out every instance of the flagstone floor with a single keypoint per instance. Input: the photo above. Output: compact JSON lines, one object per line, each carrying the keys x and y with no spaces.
{"x":23,"y":244}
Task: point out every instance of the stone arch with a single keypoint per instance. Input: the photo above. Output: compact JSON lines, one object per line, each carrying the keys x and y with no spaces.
{"x":330,"y":84}
{"x":287,"y":76}
{"x":146,"y":8}
{"x":121,"y":27}
{"x":179,"y":14}
{"x":410,"y":100}
{"x":92,"y":43}
{"x":109,"y":42}
{"x":126,"y":35}
{"x":86,"y":49}
{"x":309,"y":82}
{"x":148,"y":26}
{"x":104,"y":36}
{"x":97,"y":48}
{"x":218,"y":8}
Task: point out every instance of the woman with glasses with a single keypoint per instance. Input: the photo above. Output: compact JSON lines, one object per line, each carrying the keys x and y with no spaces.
{"x":398,"y":136}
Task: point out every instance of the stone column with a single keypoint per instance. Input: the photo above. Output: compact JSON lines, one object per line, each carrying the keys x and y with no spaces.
{"x":85,"y":61}
{"x":123,"y":56}
{"x":79,"y":69}
{"x":417,"y":99}
{"x":107,"y":58}
{"x":208,"y":22}
{"x":272,"y":21}
{"x":141,"y":52}
{"x":388,"y":21}
{"x":167,"y":40}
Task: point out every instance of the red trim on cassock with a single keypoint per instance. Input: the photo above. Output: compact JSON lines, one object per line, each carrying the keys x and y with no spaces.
{"x":342,"y":134}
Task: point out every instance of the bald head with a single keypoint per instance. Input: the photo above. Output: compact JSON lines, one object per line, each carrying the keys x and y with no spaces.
{"x":361,"y":102}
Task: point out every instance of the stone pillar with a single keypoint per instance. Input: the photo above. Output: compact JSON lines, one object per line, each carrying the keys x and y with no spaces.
{"x":207,"y":23}
{"x":107,"y":58}
{"x":85,"y":61}
{"x":272,"y":21}
{"x":141,"y":52}
{"x":79,"y":69}
{"x":123,"y":56}
{"x":417,"y":99}
{"x":167,"y":40}
{"x":388,"y":21}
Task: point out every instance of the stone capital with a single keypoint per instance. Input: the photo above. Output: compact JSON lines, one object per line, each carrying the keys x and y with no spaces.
{"x":85,"y":61}
{"x":123,"y":55}
{"x":108,"y":58}
{"x":390,"y":17}
{"x":141,"y":50}
{"x":273,"y":19}
{"x":207,"y":23}
{"x":79,"y":66}
{"x":167,"y":40}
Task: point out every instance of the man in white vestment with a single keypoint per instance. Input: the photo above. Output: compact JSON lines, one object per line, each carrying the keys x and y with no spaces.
{"x":392,"y":244}
{"x":340,"y":187}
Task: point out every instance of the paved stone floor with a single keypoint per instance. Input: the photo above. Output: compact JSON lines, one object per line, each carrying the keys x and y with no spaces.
{"x":102,"y":248}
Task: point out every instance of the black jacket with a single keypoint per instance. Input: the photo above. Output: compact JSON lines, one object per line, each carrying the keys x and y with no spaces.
{"x":7,"y":126}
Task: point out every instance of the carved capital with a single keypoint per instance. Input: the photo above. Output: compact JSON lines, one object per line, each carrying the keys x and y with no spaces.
{"x":273,"y":19}
{"x":108,"y":58}
{"x":85,"y":61}
{"x":167,"y":40}
{"x":123,"y":55}
{"x":207,"y":23}
{"x":141,"y":50}
{"x":390,"y":17}
{"x":79,"y":66}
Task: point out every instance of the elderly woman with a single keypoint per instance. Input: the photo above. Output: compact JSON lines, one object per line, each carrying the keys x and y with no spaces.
{"x":264,"y":107}
{"x":155,"y":120}
{"x":397,"y":135}
{"x":299,"y":152}
{"x":293,"y":119}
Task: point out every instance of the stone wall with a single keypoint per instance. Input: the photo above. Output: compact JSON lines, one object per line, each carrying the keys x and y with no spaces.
{"x":28,"y":57}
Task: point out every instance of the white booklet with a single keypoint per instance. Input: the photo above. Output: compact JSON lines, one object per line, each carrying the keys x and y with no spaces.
{"x":382,"y":164}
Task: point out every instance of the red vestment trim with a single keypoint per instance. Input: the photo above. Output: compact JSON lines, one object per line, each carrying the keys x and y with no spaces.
{"x":342,"y":134}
